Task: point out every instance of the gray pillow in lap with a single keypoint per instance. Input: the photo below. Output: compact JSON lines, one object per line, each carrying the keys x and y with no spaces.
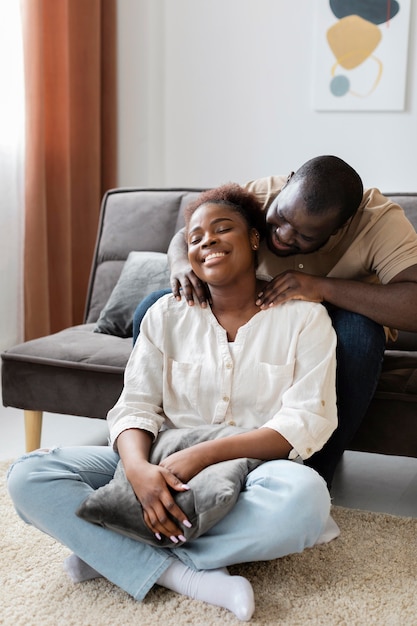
{"x":213,"y":492}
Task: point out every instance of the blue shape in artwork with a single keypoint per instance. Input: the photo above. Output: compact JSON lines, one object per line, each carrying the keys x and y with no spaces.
{"x":339,"y":85}
{"x":375,"y":11}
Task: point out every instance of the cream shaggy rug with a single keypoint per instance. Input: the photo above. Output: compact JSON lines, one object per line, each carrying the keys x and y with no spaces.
{"x":367,"y":576}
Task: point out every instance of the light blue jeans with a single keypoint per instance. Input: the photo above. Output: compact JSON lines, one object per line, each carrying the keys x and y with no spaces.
{"x":283,"y":509}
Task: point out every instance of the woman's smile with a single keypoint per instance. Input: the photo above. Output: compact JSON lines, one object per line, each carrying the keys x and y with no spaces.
{"x":212,"y":257}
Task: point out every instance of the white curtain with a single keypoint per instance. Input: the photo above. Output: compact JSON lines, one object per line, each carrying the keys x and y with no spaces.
{"x":11,"y":174}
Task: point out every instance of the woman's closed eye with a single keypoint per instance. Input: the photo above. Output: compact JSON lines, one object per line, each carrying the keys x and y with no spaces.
{"x":197,"y":238}
{"x":194,"y":241}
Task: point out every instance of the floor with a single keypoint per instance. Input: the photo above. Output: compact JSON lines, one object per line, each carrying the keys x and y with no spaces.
{"x":372,"y":482}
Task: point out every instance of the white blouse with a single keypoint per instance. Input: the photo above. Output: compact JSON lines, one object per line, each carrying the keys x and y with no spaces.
{"x":281,"y":375}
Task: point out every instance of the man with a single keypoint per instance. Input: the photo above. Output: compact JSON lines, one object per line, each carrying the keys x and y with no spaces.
{"x":329,"y":241}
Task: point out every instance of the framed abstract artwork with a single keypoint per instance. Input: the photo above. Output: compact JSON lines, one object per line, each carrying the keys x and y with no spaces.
{"x":361,"y":50}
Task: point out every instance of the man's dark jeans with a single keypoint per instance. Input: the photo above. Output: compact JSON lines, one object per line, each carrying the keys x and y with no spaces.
{"x":142,"y":307}
{"x":359,"y":352}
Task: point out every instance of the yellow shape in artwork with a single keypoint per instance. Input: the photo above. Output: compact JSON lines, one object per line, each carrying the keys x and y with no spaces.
{"x":352,"y":40}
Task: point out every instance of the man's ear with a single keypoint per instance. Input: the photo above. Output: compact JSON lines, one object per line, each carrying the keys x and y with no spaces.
{"x":290,"y":175}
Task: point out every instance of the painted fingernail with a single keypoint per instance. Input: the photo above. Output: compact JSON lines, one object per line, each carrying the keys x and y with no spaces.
{"x":187,"y":523}
{"x":185,"y":486}
{"x":158,"y":536}
{"x":181,"y":538}
{"x":174,"y":539}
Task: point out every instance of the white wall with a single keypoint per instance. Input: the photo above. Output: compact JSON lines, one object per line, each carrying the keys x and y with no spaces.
{"x":219,"y":90}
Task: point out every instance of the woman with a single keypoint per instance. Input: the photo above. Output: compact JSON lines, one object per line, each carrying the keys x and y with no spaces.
{"x":272,"y":372}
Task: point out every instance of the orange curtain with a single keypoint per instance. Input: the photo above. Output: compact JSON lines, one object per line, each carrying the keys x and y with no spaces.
{"x":70,"y":79}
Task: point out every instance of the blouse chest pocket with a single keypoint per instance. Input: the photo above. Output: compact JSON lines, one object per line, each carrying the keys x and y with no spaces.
{"x":182,"y":384}
{"x":272,"y":382}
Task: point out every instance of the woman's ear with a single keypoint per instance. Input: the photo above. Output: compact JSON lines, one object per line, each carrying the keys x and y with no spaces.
{"x":254,"y":239}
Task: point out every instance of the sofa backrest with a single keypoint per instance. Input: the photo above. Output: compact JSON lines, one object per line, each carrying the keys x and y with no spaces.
{"x":408,"y":201}
{"x":131,"y":219}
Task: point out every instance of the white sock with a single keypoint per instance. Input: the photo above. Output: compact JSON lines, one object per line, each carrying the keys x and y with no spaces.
{"x":78,"y":570}
{"x":216,"y":587}
{"x":330,"y":532}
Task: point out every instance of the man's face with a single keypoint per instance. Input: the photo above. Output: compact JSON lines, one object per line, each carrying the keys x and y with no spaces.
{"x":291,"y":230}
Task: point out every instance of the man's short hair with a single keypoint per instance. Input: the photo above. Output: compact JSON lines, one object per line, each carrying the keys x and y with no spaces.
{"x":329,"y":184}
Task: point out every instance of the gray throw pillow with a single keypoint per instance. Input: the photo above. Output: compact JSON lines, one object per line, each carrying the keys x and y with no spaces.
{"x":142,"y":273}
{"x":212,"y":494}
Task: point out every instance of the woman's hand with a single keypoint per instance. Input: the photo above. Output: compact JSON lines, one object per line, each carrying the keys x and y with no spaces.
{"x":186,"y":463}
{"x":152,"y":484}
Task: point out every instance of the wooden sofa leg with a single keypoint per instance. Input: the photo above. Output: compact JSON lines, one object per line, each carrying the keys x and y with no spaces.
{"x":33,"y":429}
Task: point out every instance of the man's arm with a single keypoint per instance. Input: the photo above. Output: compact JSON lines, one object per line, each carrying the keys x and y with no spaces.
{"x":393,"y":304}
{"x":182,"y":276}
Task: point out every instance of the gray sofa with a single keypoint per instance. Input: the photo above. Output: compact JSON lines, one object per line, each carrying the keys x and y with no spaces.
{"x":80,"y":372}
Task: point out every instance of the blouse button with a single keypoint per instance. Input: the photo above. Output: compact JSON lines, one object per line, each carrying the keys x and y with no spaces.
{"x":226,"y":398}
{"x":232,"y":423}
{"x":309,"y":450}
{"x":229,"y":365}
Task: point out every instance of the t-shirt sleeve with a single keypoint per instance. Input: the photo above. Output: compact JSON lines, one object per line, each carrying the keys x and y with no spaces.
{"x":391,"y":245}
{"x":266,"y":189}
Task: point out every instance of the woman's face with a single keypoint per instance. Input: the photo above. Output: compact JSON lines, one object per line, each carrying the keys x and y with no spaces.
{"x":220,"y":245}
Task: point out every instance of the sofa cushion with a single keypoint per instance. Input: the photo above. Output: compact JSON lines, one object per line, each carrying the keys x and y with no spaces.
{"x":76,"y":346}
{"x":142,"y":273}
{"x":212,"y":494}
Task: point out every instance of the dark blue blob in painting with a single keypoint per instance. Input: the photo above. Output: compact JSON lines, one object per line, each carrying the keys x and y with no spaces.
{"x":375,"y":11}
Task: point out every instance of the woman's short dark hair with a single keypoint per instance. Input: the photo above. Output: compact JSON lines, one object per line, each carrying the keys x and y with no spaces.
{"x":237,"y":198}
